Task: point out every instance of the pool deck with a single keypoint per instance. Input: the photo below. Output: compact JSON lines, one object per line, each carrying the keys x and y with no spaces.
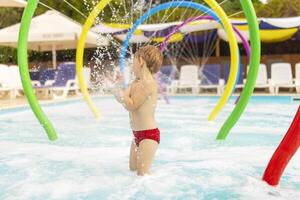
{"x":21,"y":102}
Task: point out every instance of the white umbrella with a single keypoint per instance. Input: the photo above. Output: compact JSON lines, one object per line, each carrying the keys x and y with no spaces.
{"x":51,"y":31}
{"x":12,"y":3}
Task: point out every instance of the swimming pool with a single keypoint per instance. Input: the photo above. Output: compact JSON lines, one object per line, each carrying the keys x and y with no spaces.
{"x":90,"y":158}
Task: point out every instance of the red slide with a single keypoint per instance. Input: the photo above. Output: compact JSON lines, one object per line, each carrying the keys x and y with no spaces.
{"x":284,"y":152}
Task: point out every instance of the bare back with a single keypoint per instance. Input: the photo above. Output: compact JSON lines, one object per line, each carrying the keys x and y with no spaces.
{"x":143,"y":118}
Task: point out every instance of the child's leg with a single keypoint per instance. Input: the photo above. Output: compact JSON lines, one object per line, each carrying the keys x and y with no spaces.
{"x":145,"y":156}
{"x":133,"y":156}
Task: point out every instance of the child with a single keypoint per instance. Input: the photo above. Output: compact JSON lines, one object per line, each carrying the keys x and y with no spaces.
{"x":140,"y":100}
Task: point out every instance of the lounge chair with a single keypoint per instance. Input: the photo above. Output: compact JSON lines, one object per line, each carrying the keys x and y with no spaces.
{"x":262,"y":79}
{"x":166,"y":77}
{"x":240,"y":81}
{"x":188,"y":78}
{"x":297,"y":78}
{"x":210,"y":78}
{"x":15,"y":81}
{"x":169,"y":71}
{"x":87,"y":77}
{"x":281,"y":76}
{"x":44,"y":77}
{"x":34,"y":75}
{"x":44,"y":82}
{"x":47,"y":77}
{"x":64,"y":82}
{"x":5,"y":89}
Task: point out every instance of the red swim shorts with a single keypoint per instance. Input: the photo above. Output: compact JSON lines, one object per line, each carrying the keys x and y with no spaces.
{"x":152,"y":134}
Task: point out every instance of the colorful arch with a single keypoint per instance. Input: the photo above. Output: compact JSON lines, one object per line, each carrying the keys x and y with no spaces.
{"x":252,"y":74}
{"x":284,"y":153}
{"x":227,"y":25}
{"x":24,"y":72}
{"x":80,"y":52}
{"x":255,"y":59}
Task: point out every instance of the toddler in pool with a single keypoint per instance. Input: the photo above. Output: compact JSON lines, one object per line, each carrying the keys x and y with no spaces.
{"x":140,"y":99}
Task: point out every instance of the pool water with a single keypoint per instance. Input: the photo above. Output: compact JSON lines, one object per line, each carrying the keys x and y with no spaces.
{"x":90,"y":158}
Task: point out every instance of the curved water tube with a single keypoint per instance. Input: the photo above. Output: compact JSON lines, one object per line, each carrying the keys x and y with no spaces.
{"x":227,"y":26}
{"x":80,"y":52}
{"x":284,"y":153}
{"x":252,"y":74}
{"x":23,"y":64}
{"x":24,"y":72}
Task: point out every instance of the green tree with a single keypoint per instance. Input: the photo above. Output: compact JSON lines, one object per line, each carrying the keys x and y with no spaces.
{"x":279,"y":8}
{"x":9,"y":16}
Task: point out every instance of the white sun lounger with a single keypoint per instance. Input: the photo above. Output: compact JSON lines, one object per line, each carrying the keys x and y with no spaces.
{"x":172,"y":88}
{"x":262,"y":79}
{"x":210,"y":75}
{"x":281,"y":76}
{"x":297,"y":77}
{"x":15,"y":80}
{"x":5,"y":89}
{"x":65,"y":81}
{"x":188,"y":78}
{"x":87,"y":77}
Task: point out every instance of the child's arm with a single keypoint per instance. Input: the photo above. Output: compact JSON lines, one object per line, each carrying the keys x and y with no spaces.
{"x":118,"y":93}
{"x":142,"y":91}
{"x":118,"y":90}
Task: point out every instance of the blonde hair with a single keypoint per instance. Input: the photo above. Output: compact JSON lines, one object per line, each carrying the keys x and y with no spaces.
{"x":152,"y":56}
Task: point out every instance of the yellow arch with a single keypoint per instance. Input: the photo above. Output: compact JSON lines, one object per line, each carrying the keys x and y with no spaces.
{"x":80,"y":52}
{"x":233,"y":50}
{"x":234,"y":64}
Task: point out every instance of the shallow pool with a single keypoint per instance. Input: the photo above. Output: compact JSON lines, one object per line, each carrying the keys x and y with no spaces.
{"x":90,"y":158}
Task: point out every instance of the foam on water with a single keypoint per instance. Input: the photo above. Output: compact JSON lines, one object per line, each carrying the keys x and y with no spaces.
{"x":90,"y":159}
